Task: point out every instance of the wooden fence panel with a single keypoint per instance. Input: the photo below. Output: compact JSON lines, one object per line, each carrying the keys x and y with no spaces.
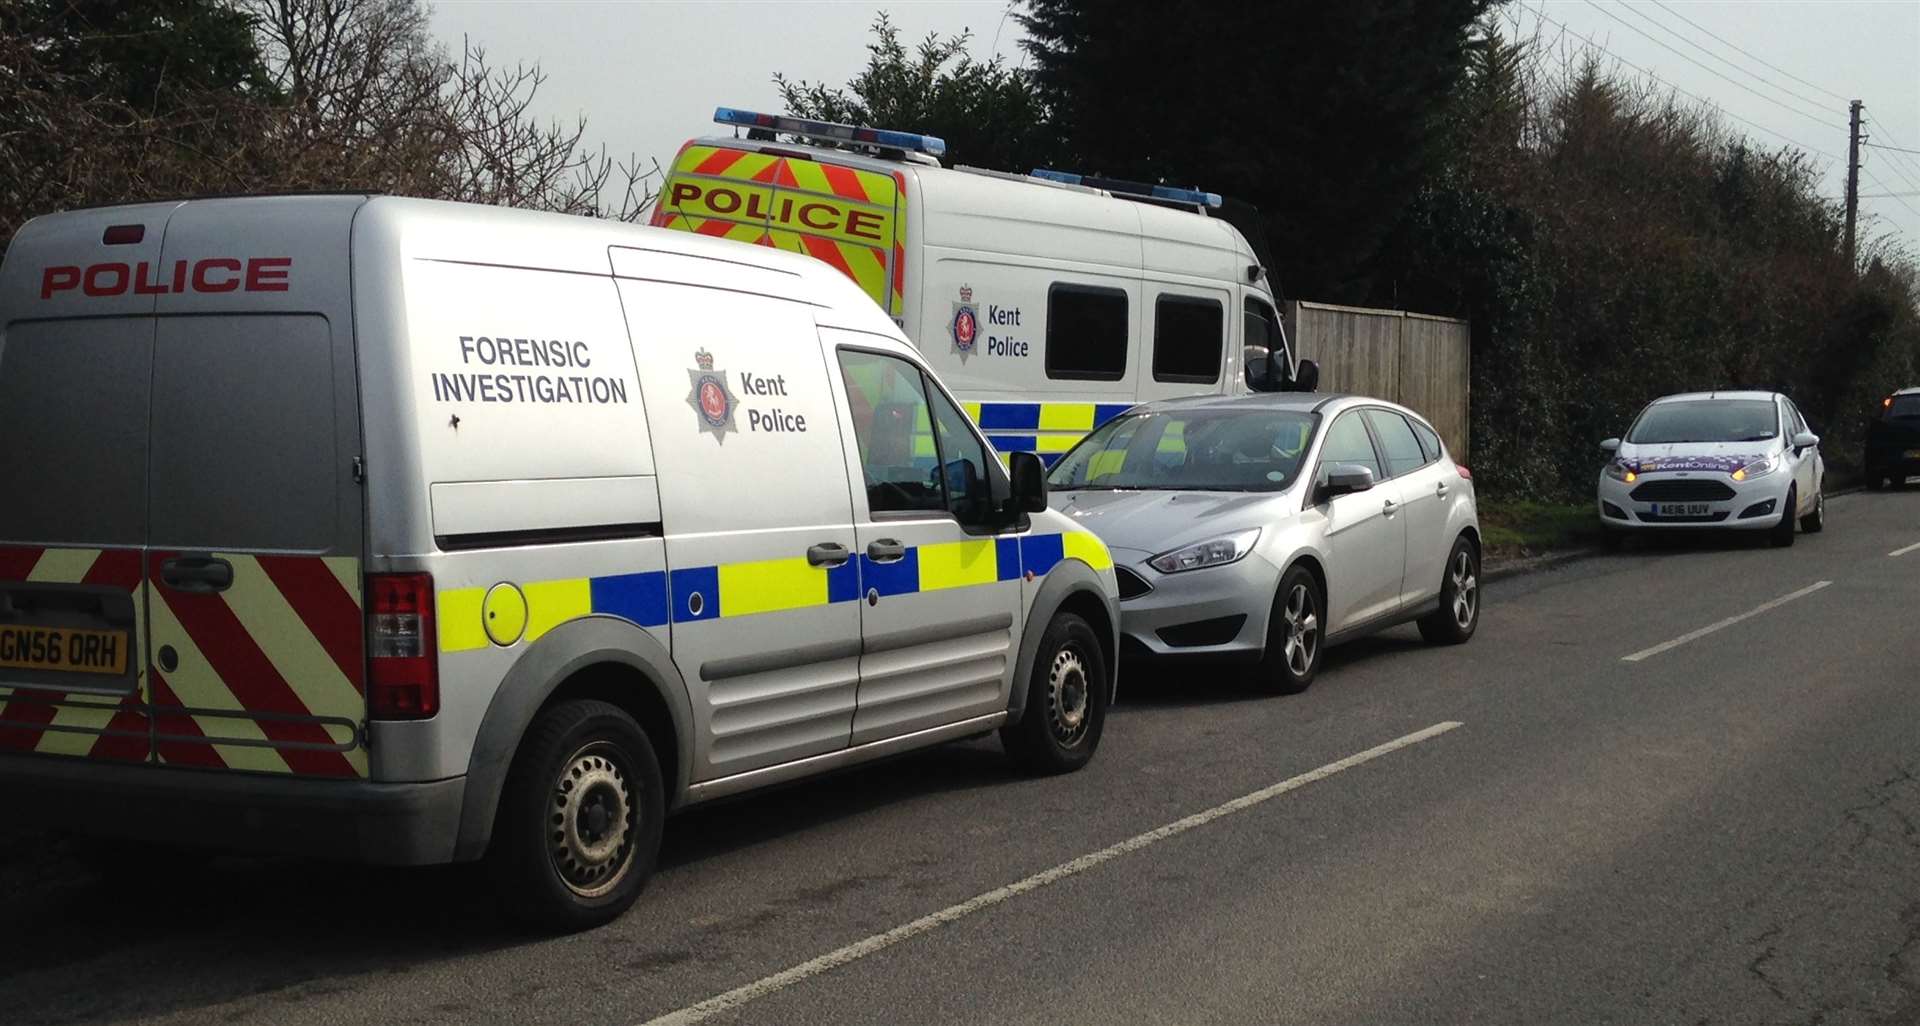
{"x":1420,"y":362}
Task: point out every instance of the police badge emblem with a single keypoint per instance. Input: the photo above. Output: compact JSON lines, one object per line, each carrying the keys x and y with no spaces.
{"x":712,"y":401}
{"x":965,"y":327}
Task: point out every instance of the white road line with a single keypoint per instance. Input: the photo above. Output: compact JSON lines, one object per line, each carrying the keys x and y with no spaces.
{"x":1901,"y":552}
{"x":739,"y":996}
{"x":1647,"y":653}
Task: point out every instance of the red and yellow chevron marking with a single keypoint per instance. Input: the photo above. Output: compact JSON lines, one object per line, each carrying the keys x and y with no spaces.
{"x":269,"y":676}
{"x":844,"y":216}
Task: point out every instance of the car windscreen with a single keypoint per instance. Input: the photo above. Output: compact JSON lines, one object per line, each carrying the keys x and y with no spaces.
{"x":1242,"y":450}
{"x":1904,"y":407}
{"x":1706,"y":420}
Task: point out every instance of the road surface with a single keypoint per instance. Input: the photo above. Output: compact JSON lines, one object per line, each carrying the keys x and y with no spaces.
{"x":1530,"y":829}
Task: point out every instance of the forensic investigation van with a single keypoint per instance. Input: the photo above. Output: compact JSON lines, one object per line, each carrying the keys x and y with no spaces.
{"x":417,"y":532}
{"x":1049,"y":302}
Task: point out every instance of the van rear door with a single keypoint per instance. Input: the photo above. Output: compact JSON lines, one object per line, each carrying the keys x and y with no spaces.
{"x":255,"y":524}
{"x":76,"y":361}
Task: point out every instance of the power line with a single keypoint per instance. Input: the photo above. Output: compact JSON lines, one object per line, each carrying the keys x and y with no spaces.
{"x":1737,"y":84}
{"x":1890,"y":193}
{"x":1763,"y":61}
{"x":1899,"y":156}
{"x":1662,"y":26}
{"x":1542,"y":15}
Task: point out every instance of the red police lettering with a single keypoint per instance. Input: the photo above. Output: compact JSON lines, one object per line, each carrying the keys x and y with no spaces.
{"x":202,"y":283}
{"x":58,"y":279}
{"x":268,"y":274}
{"x":215,"y":274}
{"x":682,"y":192}
{"x":867,"y":219}
{"x":717,"y":197}
{"x":92,"y":285}
{"x":807,"y":208}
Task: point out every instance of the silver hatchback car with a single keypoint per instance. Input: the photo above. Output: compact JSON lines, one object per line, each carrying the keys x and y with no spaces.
{"x":1265,"y":527}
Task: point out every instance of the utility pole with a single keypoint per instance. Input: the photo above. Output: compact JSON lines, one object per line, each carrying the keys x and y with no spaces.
{"x":1853,"y":174}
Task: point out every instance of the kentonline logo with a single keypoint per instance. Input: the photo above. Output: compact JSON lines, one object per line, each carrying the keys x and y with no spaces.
{"x":214,"y":274}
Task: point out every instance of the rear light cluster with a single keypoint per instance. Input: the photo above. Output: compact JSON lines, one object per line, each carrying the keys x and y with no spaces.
{"x":1468,"y":474}
{"x":403,"y":667}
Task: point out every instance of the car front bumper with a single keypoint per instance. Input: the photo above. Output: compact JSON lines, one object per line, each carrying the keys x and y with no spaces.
{"x":1218,"y":611}
{"x":1751,"y":505}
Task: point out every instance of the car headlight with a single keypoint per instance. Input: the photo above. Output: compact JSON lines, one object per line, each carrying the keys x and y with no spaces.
{"x":1758,"y":468}
{"x":1219,"y":551}
{"x":1621,"y":472}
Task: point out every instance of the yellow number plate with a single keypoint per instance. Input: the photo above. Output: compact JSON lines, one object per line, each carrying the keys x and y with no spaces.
{"x":66,"y":650}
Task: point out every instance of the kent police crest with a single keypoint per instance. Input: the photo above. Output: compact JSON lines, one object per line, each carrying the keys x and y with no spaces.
{"x":712,"y":401}
{"x":965,"y":327}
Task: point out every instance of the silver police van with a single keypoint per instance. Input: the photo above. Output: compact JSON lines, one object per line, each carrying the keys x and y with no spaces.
{"x":416,"y":532}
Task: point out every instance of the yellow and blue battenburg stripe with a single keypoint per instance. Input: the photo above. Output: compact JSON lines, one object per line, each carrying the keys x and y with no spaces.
{"x":1047,"y":429}
{"x":658,"y":597}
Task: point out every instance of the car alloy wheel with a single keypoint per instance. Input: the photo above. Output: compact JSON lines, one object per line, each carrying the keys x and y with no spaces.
{"x":1466,"y":589}
{"x":1303,"y":630}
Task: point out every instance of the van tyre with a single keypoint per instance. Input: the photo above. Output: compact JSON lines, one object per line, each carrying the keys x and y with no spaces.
{"x":1459,"y":613}
{"x":1782,"y":534}
{"x":1296,"y":635}
{"x":1066,"y":700}
{"x":1815,"y":521}
{"x":579,"y":822}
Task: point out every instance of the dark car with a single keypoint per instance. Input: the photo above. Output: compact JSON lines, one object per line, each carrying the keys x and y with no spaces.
{"x":1893,"y":440}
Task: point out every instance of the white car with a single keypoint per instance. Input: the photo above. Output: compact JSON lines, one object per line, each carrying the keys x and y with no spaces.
{"x":1263,"y":528}
{"x":1714,"y":461}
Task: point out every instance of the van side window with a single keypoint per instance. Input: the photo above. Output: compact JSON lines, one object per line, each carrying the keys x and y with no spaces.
{"x":974,"y":492}
{"x":1086,"y":333}
{"x":1187,"y":339}
{"x":887,"y":400}
{"x":1262,"y":331}
{"x":1403,"y":449}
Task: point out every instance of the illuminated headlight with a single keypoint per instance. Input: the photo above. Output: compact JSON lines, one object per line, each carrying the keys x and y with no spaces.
{"x":1621,"y":472}
{"x":1213,"y":552}
{"x":1758,"y":468}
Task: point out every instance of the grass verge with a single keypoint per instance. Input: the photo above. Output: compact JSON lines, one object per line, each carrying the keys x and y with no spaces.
{"x":1517,"y":529}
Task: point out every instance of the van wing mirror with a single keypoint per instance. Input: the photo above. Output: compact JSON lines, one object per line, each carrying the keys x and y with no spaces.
{"x":1306,"y":376}
{"x":1029,"y":479}
{"x":1345,"y":479}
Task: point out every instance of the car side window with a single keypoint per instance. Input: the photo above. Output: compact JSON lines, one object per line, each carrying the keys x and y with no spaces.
{"x":1348,"y":442}
{"x":892,"y":422}
{"x":1397,"y":438}
{"x":1429,"y":441}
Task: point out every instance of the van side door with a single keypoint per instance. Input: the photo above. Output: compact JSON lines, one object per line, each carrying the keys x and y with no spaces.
{"x":940,"y":577}
{"x":757,"y":514}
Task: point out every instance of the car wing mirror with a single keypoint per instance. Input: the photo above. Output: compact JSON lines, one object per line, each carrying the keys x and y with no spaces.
{"x":1610,"y":445}
{"x":1345,"y":479}
{"x":1805,"y":439}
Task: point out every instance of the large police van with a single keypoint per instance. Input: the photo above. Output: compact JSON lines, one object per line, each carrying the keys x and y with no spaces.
{"x":1049,"y":302}
{"x":417,"y":532}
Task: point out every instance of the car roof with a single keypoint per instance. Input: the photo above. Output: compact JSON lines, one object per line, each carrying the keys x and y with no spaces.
{"x":1304,"y":402}
{"x":1684,"y":397}
{"x":1907,"y":391}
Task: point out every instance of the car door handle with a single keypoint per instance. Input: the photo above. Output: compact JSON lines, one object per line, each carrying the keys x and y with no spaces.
{"x":827,"y":554}
{"x":1441,"y":489}
{"x":200,"y":574}
{"x":1390,"y":508}
{"x":886,"y":550}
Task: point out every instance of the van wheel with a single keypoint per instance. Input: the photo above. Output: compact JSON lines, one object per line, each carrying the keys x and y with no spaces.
{"x":1782,"y":535}
{"x":1459,"y":613}
{"x":1815,"y":521}
{"x":579,"y":821}
{"x":1066,"y":701}
{"x":1296,"y":631}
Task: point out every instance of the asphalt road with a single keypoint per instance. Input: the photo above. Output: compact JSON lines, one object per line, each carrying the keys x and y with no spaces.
{"x":1724,"y":831}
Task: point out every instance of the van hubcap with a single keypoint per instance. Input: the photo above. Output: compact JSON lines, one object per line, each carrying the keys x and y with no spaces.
{"x":1067,"y":697}
{"x":1466,"y":589}
{"x":592,"y":821}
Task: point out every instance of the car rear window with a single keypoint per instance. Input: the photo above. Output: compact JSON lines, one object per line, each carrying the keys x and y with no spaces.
{"x":1904,"y":406}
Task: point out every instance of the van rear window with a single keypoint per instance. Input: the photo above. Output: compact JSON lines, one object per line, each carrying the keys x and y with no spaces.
{"x":1086,"y":333}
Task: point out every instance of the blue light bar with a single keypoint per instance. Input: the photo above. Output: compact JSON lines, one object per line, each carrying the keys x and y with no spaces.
{"x":932,"y":145}
{"x":1164,"y":192}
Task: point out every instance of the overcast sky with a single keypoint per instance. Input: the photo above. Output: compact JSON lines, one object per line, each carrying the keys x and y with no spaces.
{"x":648,"y":74}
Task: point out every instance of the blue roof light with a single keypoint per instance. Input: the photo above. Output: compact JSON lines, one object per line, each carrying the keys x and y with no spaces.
{"x":932,"y":145}
{"x":1115,"y":185}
